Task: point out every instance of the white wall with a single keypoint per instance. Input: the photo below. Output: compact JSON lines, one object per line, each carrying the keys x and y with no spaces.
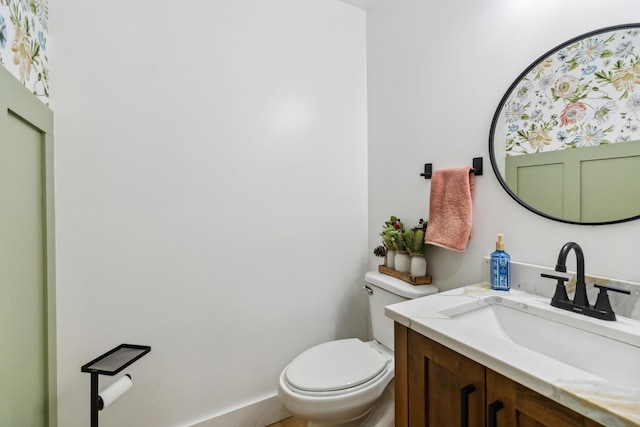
{"x":211,"y":192}
{"x":436,"y":73}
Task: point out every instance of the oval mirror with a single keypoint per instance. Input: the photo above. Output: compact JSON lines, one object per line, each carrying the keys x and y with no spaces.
{"x":565,"y":138}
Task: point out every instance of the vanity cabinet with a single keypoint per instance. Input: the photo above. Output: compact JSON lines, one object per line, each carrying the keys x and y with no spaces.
{"x":438,"y":387}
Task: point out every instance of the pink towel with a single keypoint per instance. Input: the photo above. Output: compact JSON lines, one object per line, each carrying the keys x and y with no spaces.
{"x":450,"y":208}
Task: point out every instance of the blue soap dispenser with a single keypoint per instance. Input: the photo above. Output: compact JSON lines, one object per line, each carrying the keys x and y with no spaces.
{"x":500,"y":267}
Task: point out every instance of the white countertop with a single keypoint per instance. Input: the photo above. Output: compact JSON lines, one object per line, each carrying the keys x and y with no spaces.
{"x":594,"y":397}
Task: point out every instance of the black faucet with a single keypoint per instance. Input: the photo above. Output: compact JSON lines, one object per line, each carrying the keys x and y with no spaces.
{"x":580,"y":299}
{"x":580,"y":304}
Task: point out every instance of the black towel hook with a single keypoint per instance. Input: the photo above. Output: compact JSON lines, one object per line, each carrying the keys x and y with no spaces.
{"x":476,"y":170}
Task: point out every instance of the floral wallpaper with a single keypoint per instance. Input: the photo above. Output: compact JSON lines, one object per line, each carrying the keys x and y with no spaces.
{"x":23,"y":43}
{"x":585,"y":94}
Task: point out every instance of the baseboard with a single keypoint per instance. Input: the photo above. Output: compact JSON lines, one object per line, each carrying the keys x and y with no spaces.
{"x":260,"y":413}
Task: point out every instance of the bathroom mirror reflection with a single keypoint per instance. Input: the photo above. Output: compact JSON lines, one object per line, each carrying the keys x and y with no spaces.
{"x":565,"y":138}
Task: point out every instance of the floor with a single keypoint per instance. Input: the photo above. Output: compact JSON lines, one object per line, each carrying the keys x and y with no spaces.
{"x":289,"y":422}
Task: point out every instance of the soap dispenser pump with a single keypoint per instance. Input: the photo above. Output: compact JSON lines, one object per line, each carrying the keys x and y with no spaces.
{"x":500,"y":267}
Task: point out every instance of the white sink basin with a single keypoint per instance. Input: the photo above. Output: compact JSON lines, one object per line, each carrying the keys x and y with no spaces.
{"x":608,"y":350}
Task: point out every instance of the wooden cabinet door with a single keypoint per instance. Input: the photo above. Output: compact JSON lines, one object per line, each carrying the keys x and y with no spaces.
{"x":445,"y":388}
{"x":517,"y":406}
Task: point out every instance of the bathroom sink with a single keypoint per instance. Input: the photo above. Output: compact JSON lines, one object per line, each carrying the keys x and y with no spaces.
{"x":608,"y":350}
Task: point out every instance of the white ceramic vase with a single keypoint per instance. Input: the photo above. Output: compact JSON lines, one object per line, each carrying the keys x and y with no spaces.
{"x":390,"y":258}
{"x":418,"y":265}
{"x":402,"y":262}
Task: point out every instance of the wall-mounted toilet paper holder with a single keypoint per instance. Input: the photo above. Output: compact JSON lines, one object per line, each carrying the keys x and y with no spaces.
{"x":110,"y":363}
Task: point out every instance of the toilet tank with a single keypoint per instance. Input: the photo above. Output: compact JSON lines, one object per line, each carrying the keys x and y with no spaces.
{"x":386,"y":290}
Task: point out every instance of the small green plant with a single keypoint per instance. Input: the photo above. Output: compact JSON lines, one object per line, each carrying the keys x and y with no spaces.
{"x":392,"y":234}
{"x":414,"y":238}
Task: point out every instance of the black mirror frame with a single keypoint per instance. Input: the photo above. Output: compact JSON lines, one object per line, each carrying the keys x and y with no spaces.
{"x":506,"y":96}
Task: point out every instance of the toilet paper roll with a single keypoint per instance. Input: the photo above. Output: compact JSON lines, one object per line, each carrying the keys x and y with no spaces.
{"x":114,"y":391}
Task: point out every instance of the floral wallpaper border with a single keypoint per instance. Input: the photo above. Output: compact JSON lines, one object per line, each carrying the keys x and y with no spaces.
{"x":23,"y":43}
{"x":585,"y":93}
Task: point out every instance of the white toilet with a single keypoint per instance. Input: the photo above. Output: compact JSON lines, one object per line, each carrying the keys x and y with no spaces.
{"x":349,"y":382}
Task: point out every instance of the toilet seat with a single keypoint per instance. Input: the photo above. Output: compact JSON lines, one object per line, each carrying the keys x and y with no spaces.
{"x":335,"y":366}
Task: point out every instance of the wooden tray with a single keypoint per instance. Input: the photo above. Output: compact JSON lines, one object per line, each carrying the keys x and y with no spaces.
{"x":406,"y":277}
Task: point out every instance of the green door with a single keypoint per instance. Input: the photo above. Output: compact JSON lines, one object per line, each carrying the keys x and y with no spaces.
{"x":27,"y":295}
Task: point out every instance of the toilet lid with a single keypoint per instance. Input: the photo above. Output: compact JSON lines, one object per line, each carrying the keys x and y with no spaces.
{"x":335,"y":365}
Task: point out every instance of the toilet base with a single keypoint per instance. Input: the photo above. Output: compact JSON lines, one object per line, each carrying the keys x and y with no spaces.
{"x":381,"y":415}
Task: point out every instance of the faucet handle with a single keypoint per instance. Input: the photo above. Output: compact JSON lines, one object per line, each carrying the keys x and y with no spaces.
{"x":561,"y":291}
{"x":603,"y":304}
{"x":604,"y":289}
